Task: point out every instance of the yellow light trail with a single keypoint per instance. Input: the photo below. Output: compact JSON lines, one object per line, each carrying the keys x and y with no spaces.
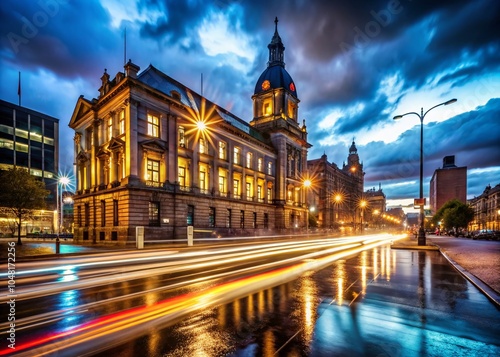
{"x":111,"y":330}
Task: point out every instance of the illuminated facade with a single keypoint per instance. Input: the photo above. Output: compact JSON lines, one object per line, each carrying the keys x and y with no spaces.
{"x":30,"y":139}
{"x":376,"y":206}
{"x":337,"y":192}
{"x":486,"y":209}
{"x":150,"y":152}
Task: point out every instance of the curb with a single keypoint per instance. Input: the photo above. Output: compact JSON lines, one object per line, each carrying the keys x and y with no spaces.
{"x":490,"y":293}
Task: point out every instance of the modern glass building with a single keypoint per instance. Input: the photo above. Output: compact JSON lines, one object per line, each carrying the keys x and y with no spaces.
{"x":29,"y":139}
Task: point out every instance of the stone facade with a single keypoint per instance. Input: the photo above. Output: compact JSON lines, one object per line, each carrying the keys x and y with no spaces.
{"x":486,"y":209}
{"x":150,"y":152}
{"x":337,"y":192}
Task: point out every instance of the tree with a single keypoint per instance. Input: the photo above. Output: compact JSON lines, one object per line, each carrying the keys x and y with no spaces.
{"x":21,"y":194}
{"x":454,"y":214}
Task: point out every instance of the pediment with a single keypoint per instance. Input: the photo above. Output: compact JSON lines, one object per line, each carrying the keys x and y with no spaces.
{"x":82,"y":108}
{"x":102,"y":152}
{"x":116,"y":144}
{"x":82,"y":157}
{"x":154,"y":145}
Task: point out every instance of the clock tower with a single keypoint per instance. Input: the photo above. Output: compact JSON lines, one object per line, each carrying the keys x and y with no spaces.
{"x":275,"y":112}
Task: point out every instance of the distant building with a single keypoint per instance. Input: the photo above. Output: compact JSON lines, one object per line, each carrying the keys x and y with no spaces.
{"x":486,"y":209}
{"x":412,"y":220}
{"x":30,"y":139}
{"x":447,"y":183}
{"x":376,"y":206}
{"x":336,"y":192}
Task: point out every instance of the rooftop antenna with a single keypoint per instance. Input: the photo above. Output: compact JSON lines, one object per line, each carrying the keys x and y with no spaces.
{"x":19,"y":88}
{"x":125,"y":47}
{"x":202,"y":84}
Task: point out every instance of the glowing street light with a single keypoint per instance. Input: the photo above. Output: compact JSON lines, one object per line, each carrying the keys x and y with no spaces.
{"x":421,"y":231}
{"x":338,"y":199}
{"x":63,"y":181}
{"x":362,"y":205}
{"x":307,"y":183}
{"x":200,"y":124}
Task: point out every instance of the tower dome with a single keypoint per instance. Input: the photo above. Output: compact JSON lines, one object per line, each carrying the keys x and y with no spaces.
{"x":275,"y":75}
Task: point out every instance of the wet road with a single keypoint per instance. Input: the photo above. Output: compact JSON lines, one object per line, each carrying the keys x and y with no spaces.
{"x":382,"y":302}
{"x":378,"y":302}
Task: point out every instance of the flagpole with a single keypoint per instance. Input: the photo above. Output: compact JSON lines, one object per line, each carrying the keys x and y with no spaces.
{"x":19,"y":88}
{"x":125,"y":47}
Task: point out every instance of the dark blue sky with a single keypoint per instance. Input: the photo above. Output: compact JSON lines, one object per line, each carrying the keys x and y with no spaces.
{"x":355,"y":64}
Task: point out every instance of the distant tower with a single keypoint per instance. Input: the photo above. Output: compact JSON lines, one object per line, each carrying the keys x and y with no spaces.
{"x":355,"y":168}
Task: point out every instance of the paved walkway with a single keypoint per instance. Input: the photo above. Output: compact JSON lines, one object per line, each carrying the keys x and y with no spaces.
{"x":477,"y":260}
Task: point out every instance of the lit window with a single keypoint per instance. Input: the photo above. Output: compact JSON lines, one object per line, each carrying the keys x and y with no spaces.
{"x":249,"y":160}
{"x":153,"y":173}
{"x":154,"y":213}
{"x":110,"y":128}
{"x":182,"y":176}
{"x":203,"y":177}
{"x":267,"y":108}
{"x":237,"y":156}
{"x":222,"y":150}
{"x":236,"y":188}
{"x":269,"y":168}
{"x":260,"y":164}
{"x":182,"y":137}
{"x":203,"y":146}
{"x":291,"y":109}
{"x":122,"y":121}
{"x":153,"y":126}
{"x":222,"y":181}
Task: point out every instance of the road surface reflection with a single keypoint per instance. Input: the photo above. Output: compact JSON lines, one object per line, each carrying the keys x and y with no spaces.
{"x":315,"y":297}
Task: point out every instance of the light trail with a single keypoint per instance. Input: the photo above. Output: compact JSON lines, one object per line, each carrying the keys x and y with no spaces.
{"x":115,"y":328}
{"x":230,"y":255}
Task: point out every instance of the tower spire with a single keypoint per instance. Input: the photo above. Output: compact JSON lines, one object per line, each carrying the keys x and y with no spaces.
{"x":276,"y":48}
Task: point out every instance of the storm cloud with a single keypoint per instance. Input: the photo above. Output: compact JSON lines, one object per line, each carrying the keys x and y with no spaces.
{"x":356,"y":64}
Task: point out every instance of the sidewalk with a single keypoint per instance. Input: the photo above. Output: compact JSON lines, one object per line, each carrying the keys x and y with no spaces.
{"x":477,"y":260}
{"x":46,"y":248}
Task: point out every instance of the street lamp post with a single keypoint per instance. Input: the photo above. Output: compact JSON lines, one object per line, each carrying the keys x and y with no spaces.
{"x":362,"y":205}
{"x":307,"y":184}
{"x":63,"y":181}
{"x":338,"y":199}
{"x":421,"y":231}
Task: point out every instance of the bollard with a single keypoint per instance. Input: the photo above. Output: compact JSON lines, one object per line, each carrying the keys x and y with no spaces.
{"x":58,"y":245}
{"x":190,"y":236}
{"x":139,"y":237}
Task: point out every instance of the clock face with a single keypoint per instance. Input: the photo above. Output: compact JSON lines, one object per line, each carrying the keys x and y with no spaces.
{"x":292,"y":87}
{"x":266,"y":85}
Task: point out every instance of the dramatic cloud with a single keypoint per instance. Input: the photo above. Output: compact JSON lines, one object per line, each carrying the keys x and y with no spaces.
{"x":356,"y":64}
